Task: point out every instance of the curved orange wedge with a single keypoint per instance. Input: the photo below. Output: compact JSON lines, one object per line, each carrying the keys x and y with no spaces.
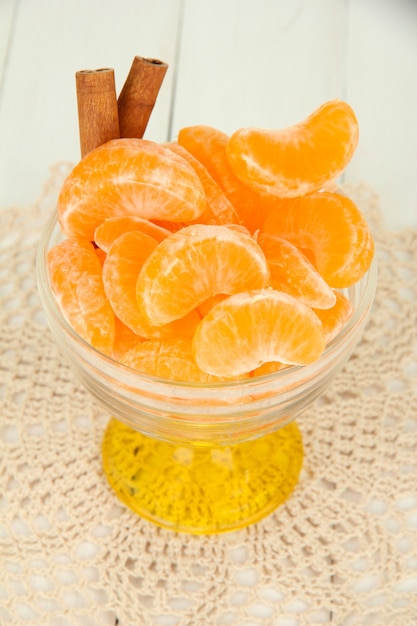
{"x":195,"y":263}
{"x":293,"y":273}
{"x":120,"y":272}
{"x":250,"y":328}
{"x":113,"y":227}
{"x":170,"y":358}
{"x":335,"y":318}
{"x":331,"y":230}
{"x":128,"y":177}
{"x":219,"y":210}
{"x":76,"y":280}
{"x":299,"y":159}
{"x":208,"y":145}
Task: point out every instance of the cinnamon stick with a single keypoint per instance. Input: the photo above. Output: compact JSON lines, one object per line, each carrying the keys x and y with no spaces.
{"x":138,"y":95}
{"x":97,"y":108}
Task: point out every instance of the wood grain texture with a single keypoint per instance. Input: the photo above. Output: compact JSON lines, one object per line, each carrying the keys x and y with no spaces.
{"x":7,"y":10}
{"x":139,"y":94}
{"x":98,"y":117}
{"x":38,"y":111}
{"x":237,"y":63}
{"x":258,"y":62}
{"x":382,"y":88}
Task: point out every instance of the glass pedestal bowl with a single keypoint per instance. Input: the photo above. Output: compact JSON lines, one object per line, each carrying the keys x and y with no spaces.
{"x":201,"y":458}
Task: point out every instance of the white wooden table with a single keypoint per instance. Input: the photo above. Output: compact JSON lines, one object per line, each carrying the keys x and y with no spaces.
{"x":232,"y":63}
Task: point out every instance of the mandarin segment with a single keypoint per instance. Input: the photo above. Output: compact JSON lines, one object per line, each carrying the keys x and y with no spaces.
{"x":120,"y":272}
{"x":251,"y":328}
{"x":113,"y":227}
{"x":293,"y":273}
{"x":271,"y":367}
{"x":128,"y":177}
{"x":208,"y":145}
{"x":171,"y":227}
{"x":206,"y":306}
{"x":335,"y":318}
{"x":198,"y":262}
{"x":330,"y":229}
{"x":76,"y":280}
{"x":219,"y":210}
{"x":299,"y":159}
{"x":170,"y":358}
{"x":101,"y":255}
{"x":125,"y":339}
{"x":217,"y":257}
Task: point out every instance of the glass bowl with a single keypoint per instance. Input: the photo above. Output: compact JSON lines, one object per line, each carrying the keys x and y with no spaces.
{"x":200,"y":458}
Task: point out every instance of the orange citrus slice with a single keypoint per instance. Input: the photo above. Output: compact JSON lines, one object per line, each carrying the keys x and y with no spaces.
{"x":76,"y":280}
{"x":128,"y":177}
{"x":195,"y":263}
{"x":208,"y":145}
{"x":268,"y":368}
{"x":124,"y":340}
{"x":112,"y":228}
{"x":101,"y":255}
{"x":170,"y":358}
{"x":299,"y":159}
{"x":293,"y":273}
{"x":250,"y":328}
{"x":335,"y":318}
{"x":206,"y":306}
{"x":120,"y":272}
{"x":219,"y":210}
{"x":330,"y":229}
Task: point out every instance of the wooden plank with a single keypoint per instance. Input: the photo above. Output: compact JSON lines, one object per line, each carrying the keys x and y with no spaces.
{"x":52,"y":40}
{"x":382,"y":87}
{"x":7,"y":9}
{"x":242,"y":62}
{"x":258,"y":62}
{"x":266,"y":63}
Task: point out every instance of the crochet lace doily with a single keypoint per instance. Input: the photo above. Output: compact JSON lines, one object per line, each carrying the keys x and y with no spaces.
{"x":341,"y":550}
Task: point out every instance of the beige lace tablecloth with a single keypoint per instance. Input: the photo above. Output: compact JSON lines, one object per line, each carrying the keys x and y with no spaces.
{"x":342,"y":550}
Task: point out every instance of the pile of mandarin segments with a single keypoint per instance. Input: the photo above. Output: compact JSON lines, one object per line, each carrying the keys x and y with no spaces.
{"x":214,"y":257}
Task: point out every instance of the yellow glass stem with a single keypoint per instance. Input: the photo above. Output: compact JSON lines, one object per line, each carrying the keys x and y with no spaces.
{"x":202,"y":489}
